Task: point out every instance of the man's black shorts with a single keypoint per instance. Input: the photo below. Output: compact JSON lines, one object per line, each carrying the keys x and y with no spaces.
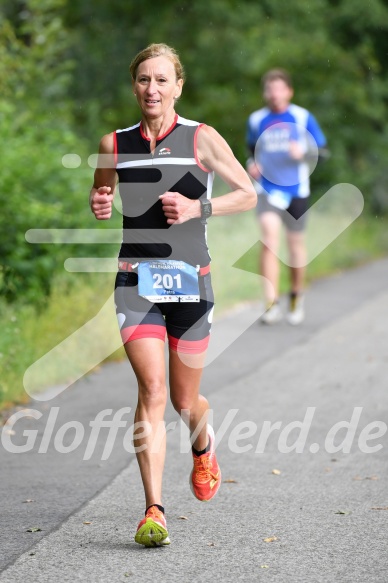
{"x":294,"y":217}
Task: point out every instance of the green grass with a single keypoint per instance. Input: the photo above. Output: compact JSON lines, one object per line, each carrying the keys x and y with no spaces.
{"x":28,"y":336}
{"x":364,"y":240}
{"x":77,"y":298}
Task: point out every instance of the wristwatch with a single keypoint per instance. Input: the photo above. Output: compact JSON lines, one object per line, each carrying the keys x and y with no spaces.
{"x":206,"y":208}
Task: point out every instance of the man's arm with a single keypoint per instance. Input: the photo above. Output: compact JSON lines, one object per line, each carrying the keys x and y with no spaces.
{"x":320,"y":139}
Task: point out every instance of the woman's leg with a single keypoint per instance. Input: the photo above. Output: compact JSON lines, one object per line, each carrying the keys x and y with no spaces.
{"x":147,"y":358}
{"x":188,"y":329}
{"x":184,"y":392}
{"x":205,"y":478}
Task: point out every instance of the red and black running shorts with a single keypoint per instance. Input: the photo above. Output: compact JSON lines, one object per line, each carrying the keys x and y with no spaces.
{"x":187,"y":324}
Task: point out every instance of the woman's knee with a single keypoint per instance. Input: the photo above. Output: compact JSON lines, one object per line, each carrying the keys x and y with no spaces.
{"x":152,"y":393}
{"x":182,"y":402}
{"x":190,"y":403}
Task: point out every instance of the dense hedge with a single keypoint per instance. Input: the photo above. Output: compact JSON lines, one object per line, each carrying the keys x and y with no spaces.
{"x":64,"y":81}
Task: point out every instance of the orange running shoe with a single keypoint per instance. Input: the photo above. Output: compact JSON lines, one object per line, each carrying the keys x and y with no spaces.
{"x":205,"y":478}
{"x":152,"y":530}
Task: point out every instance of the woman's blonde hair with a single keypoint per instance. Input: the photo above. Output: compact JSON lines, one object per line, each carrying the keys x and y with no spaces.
{"x":158,"y":50}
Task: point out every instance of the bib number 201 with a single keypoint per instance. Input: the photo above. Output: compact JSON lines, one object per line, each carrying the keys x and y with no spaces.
{"x":166,"y":281}
{"x":163,"y":280}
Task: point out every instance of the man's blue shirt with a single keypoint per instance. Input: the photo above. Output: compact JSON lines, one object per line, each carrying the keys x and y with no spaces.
{"x":269,"y":135}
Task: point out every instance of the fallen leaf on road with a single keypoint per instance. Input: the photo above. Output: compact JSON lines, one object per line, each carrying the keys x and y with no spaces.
{"x":28,"y":500}
{"x":343,"y":512}
{"x":276,"y":472}
{"x":230,"y":481}
{"x":211,"y":544}
{"x":34,"y":529}
{"x":264,"y":566}
{"x":87,"y":522}
{"x":183,"y":517}
{"x":379,"y":508}
{"x":270,"y":539}
{"x":366,"y":478}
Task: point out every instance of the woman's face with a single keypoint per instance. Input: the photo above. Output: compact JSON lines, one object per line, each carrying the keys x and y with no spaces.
{"x":156,"y":86}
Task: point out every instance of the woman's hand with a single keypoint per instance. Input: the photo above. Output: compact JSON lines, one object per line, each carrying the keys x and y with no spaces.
{"x":101,"y":202}
{"x":178,"y":208}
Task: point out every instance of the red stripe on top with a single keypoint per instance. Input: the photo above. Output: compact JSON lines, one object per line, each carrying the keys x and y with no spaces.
{"x":163,"y":135}
{"x":195,"y":149}
{"x":115,"y":150}
{"x":170,"y":129}
{"x":125,"y":266}
{"x":143,"y":331}
{"x":142,"y":133}
{"x":188,"y":346}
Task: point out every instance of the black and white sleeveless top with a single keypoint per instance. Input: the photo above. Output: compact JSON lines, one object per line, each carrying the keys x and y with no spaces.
{"x":143,"y":176}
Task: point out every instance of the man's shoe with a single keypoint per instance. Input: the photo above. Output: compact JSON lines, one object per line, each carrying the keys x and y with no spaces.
{"x":152,"y":530}
{"x":296,"y":313}
{"x":205,"y":478}
{"x":272,"y":315}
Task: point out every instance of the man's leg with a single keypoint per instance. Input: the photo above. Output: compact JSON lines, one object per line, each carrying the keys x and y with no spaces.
{"x":297,"y":260}
{"x":270,"y":225}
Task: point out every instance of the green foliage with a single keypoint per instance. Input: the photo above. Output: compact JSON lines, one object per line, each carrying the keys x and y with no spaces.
{"x":37,"y":129}
{"x":64,"y":81}
{"x":335,"y":50}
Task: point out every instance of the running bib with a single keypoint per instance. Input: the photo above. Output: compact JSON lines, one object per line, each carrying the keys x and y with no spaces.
{"x":164,"y":280}
{"x":280,"y":199}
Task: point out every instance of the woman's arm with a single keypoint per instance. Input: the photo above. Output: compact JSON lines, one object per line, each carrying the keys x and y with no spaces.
{"x":215,"y":154}
{"x":105,"y":179}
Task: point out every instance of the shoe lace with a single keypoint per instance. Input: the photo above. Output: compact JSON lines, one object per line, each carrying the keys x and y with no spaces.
{"x":203,"y":469}
{"x":154,"y":512}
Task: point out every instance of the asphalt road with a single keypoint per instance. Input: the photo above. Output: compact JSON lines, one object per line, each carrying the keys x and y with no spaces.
{"x":308,"y":402}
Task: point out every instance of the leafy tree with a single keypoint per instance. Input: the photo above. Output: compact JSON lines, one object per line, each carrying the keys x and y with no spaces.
{"x":64,"y":81}
{"x":335,"y":50}
{"x":37,"y":191}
